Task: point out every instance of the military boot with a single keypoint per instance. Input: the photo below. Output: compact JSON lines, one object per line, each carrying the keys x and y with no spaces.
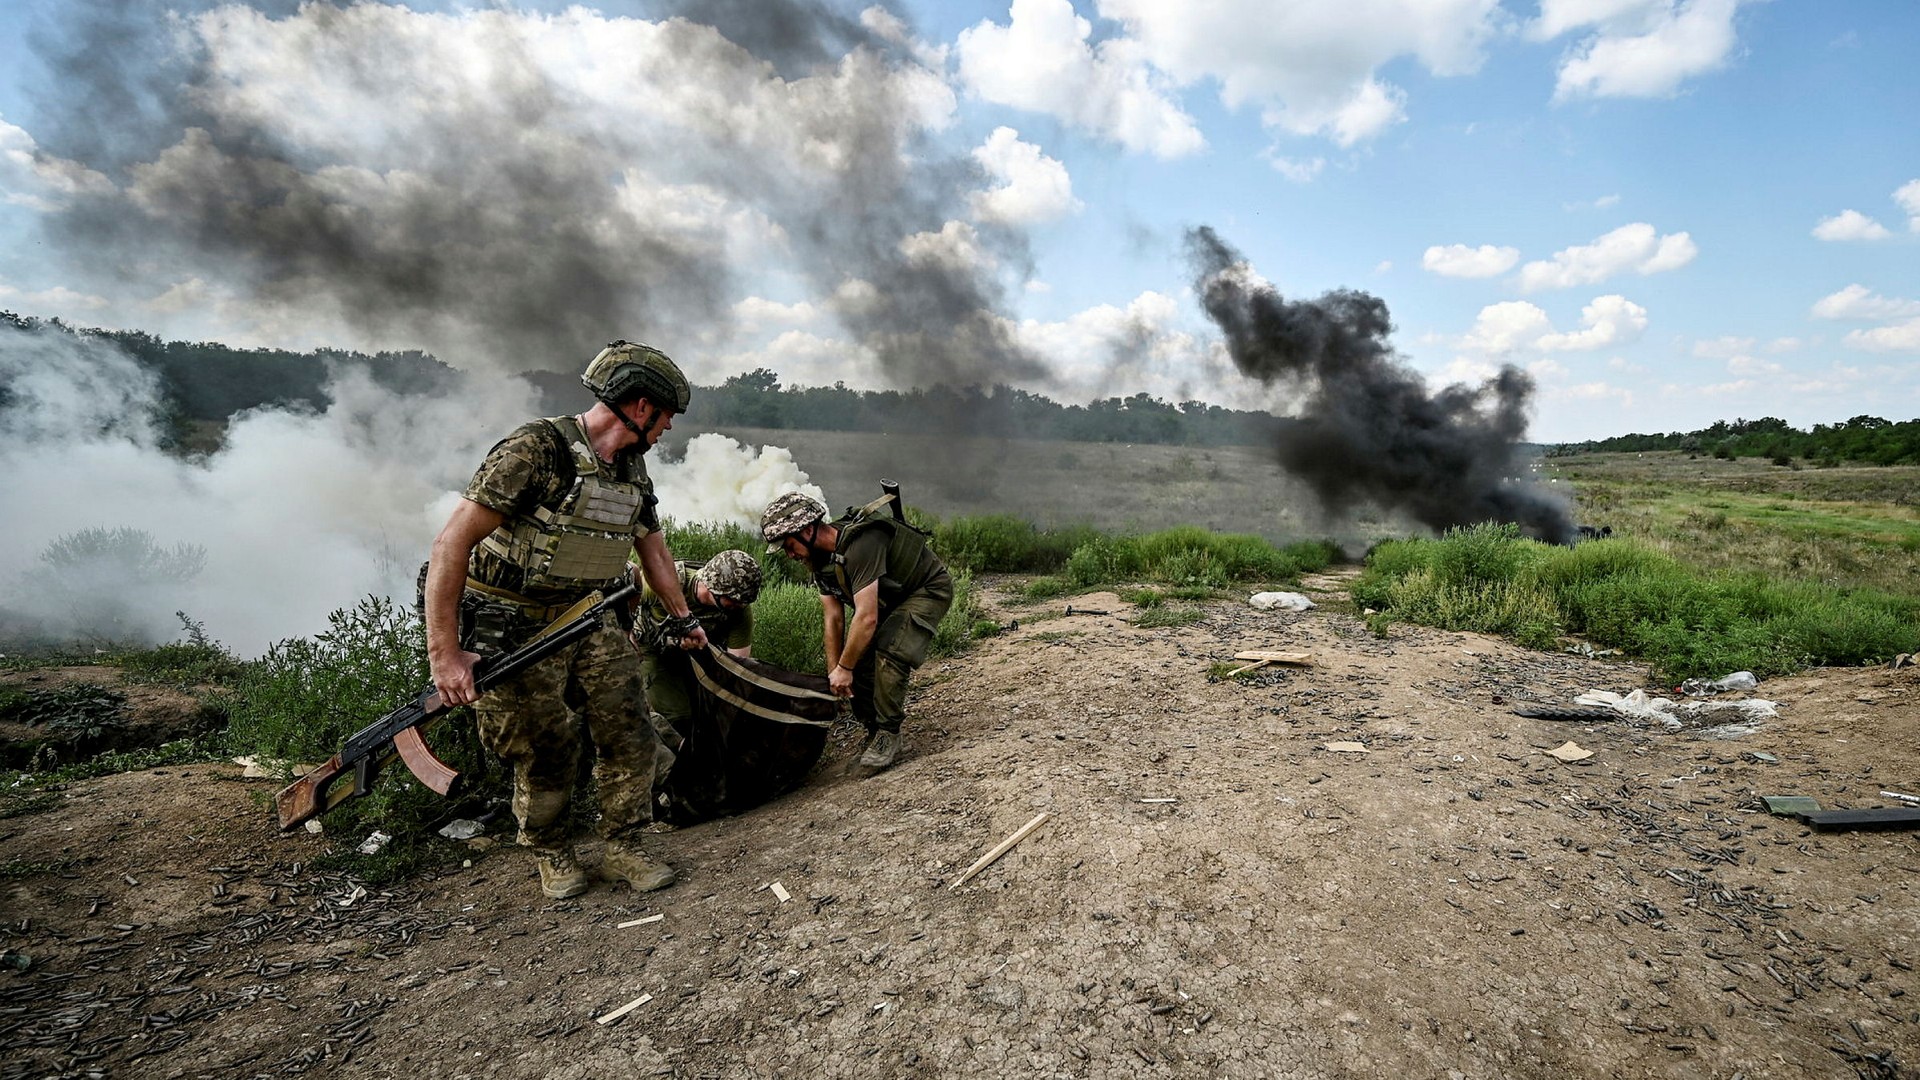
{"x":882,"y":746}
{"x":627,"y":863}
{"x":561,"y":876}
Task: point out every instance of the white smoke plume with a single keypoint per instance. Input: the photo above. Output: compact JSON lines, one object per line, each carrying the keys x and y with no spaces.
{"x":719,"y":481}
{"x":300,"y":513}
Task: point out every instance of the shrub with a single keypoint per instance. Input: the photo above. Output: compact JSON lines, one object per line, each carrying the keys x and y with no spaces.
{"x":1000,"y":543}
{"x":107,"y":582}
{"x":301,"y":701}
{"x":1640,"y":601}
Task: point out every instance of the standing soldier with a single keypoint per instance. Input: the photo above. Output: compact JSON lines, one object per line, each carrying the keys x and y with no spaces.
{"x":549,"y":517}
{"x":898,"y":589}
{"x":721,"y":594}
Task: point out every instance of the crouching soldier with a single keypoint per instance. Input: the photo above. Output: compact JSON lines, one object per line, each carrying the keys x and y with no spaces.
{"x":897,"y":589}
{"x":549,"y":517}
{"x":720,"y":595}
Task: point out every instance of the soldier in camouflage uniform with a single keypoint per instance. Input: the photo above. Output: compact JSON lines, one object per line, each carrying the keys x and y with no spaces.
{"x":898,"y":590}
{"x":721,"y":594}
{"x":550,"y":516}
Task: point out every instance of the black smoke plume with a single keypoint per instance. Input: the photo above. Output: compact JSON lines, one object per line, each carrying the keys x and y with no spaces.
{"x":1369,"y":432}
{"x":496,"y":231}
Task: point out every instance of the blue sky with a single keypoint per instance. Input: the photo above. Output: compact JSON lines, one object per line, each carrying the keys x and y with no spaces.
{"x":1668,"y":212}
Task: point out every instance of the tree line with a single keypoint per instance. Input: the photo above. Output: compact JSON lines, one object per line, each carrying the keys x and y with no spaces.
{"x":1867,"y":440}
{"x":208,"y":382}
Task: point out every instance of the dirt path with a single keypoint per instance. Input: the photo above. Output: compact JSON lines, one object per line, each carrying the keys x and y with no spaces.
{"x":1216,"y":893}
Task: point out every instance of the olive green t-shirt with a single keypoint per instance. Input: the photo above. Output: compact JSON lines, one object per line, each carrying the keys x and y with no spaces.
{"x":728,"y":629}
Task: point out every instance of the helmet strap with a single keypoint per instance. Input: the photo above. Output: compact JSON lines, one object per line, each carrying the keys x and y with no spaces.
{"x":639,"y":433}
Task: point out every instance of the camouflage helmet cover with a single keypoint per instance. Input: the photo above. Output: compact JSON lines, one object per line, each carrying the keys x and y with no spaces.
{"x":732,"y":574}
{"x":626,"y":370}
{"x":788,"y":514}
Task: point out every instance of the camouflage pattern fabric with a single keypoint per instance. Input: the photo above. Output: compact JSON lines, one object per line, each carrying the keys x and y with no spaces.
{"x":755,"y":733}
{"x":529,"y":724}
{"x":524,"y":471}
{"x":727,"y":629}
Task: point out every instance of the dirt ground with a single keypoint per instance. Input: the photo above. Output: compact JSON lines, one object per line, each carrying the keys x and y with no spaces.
{"x":1215,"y":893}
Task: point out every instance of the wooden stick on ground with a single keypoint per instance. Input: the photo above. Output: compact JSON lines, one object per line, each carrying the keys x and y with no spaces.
{"x":1005,"y":846}
{"x":1255,"y":666}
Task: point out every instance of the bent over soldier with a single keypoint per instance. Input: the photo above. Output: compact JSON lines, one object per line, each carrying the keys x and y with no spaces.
{"x":549,"y":517}
{"x":897,"y":589}
{"x":720,"y":595}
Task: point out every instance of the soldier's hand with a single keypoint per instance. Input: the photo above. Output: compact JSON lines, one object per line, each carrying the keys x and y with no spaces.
{"x":841,"y":680}
{"x":695,"y":640}
{"x":453,"y":677}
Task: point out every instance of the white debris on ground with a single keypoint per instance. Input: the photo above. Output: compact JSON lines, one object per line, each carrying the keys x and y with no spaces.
{"x":1286,"y":601}
{"x":1675,"y":715}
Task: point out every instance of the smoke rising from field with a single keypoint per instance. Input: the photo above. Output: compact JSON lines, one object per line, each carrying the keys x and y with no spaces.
{"x":510,"y":190}
{"x":1368,"y":431}
{"x":300,"y":513}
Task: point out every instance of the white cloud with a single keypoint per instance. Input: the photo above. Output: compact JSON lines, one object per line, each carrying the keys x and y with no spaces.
{"x":755,"y":313}
{"x":1310,"y":65}
{"x":1106,"y":350}
{"x":1850,"y":225}
{"x":1636,"y":48}
{"x":1859,"y":302}
{"x":57,"y":302}
{"x":1722,"y":348}
{"x":1636,"y":247}
{"x":1748,"y":365}
{"x":956,"y":245}
{"x":31,"y":178}
{"x":1459,"y":260}
{"x":1898,"y":337}
{"x":1908,"y":196}
{"x":1042,"y":61}
{"x":1609,"y":320}
{"x":1298,"y":170}
{"x":1033,"y":187}
{"x":1505,"y":327}
{"x":1515,"y":325}
{"x":1384,"y":266}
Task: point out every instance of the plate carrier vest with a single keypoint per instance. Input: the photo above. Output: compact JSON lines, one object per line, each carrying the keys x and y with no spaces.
{"x":909,"y":560}
{"x":583,"y":541}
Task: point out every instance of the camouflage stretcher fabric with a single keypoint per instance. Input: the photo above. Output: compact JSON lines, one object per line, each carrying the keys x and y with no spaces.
{"x":757,"y":731}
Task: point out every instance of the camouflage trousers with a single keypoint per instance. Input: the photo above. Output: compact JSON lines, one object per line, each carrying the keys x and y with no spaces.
{"x":533,"y":724}
{"x":899,"y":646}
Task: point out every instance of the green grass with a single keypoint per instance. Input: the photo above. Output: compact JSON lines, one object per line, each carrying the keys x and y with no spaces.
{"x":788,"y":625}
{"x":1193,"y":557}
{"x":1620,"y":594}
{"x":1169,"y":616}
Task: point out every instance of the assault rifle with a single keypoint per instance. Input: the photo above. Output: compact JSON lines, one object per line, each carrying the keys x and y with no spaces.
{"x":397,"y":734}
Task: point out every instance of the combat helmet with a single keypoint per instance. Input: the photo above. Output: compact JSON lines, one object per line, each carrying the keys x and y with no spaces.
{"x":626,"y":370}
{"x":788,"y":514}
{"x":732,"y":574}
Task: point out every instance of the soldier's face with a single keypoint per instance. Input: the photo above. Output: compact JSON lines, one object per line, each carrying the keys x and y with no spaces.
{"x":662,"y":422}
{"x":799,"y":546}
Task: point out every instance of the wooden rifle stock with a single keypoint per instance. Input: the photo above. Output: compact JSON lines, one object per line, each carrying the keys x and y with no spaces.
{"x":398,"y":733}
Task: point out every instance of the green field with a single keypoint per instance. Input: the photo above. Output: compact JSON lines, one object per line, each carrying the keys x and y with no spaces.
{"x":1112,"y":486}
{"x":1845,"y":527}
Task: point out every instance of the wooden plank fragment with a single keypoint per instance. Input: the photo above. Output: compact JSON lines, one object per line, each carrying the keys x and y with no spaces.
{"x":780,"y":892}
{"x":1273,"y":656}
{"x":1255,"y":666}
{"x":1005,"y":845}
{"x":623,"y":1010}
{"x":639,"y":922}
